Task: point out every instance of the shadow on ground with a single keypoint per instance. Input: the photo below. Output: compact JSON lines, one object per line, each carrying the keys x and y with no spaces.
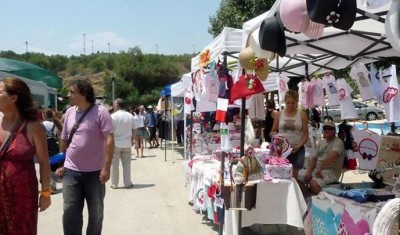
{"x":139,"y":186}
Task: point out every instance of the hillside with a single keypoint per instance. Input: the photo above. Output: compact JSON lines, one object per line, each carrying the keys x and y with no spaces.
{"x":96,"y":79}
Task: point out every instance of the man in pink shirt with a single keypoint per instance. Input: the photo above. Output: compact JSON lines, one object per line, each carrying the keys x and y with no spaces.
{"x":88,"y":159}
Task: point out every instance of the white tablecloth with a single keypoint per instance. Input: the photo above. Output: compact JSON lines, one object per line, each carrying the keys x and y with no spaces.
{"x":277,"y":203}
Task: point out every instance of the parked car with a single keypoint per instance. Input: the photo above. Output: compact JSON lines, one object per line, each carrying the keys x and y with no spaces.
{"x":365,"y":112}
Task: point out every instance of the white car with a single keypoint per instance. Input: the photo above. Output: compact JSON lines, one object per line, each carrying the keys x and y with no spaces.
{"x":365,"y":112}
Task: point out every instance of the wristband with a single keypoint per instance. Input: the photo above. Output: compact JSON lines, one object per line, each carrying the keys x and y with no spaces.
{"x":45,"y":193}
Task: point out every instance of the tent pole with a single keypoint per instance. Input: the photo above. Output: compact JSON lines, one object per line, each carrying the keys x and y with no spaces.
{"x":173,"y":130}
{"x":184,"y":131}
{"x":222,"y":167}
{"x":165,"y":128}
{"x":191,"y":135}
{"x":279,"y":72}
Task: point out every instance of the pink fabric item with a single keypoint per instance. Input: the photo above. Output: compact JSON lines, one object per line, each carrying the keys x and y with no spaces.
{"x":350,"y":227}
{"x":292,"y":12}
{"x":278,"y":161}
{"x":315,"y":30}
{"x":295,"y":18}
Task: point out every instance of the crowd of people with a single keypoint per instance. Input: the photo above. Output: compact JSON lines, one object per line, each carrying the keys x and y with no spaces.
{"x":94,"y":141}
{"x":91,"y":141}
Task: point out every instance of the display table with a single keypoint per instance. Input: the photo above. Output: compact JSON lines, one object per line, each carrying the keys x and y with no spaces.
{"x":277,"y":203}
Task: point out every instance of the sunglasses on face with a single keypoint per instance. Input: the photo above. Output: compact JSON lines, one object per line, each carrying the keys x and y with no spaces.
{"x":328,"y":129}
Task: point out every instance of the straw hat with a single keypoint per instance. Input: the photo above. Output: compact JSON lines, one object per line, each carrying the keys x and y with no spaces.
{"x":262,"y":68}
{"x":252,"y":41}
{"x":246,"y":58}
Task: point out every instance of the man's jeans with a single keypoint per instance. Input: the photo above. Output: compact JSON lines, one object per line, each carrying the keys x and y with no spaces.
{"x":125,"y":155}
{"x":78,"y":186}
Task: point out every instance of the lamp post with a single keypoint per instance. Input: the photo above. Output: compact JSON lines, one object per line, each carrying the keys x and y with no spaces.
{"x":84,"y":43}
{"x":109,"y":51}
{"x":113,"y":86}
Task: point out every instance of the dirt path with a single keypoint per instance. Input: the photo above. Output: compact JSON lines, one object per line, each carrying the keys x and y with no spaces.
{"x":157,"y":204}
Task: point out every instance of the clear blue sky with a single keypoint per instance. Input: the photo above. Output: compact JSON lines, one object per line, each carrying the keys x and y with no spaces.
{"x":58,"y":26}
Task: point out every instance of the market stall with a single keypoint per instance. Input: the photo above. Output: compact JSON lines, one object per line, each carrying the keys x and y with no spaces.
{"x":369,"y":39}
{"x":335,"y":49}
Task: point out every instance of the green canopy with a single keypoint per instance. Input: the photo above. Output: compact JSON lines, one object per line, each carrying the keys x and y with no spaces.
{"x":30,"y":71}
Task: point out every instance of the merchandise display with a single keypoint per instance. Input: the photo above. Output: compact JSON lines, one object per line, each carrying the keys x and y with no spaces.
{"x":278,"y":168}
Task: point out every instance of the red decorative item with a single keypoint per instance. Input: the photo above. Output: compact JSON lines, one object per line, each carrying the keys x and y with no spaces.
{"x":246,"y":86}
{"x":220,"y":116}
{"x":260,"y":63}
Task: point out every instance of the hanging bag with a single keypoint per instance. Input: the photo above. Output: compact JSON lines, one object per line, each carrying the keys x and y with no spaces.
{"x":242,"y":195}
{"x":246,"y":86}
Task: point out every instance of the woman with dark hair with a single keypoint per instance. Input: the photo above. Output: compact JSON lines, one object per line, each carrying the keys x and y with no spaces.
{"x":19,"y":200}
{"x":270,"y":113}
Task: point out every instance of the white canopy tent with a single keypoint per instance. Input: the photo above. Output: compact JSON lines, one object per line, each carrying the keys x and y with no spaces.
{"x":337,"y":49}
{"x":178,"y":89}
{"x":229,"y":40}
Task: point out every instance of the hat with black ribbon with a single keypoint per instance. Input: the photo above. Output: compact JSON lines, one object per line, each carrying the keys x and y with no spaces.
{"x":338,"y":13}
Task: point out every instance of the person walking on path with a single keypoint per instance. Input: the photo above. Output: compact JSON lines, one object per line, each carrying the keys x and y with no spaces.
{"x":151,"y":123}
{"x":140,"y":132}
{"x":20,"y":128}
{"x":52,"y":127}
{"x":123,"y":123}
{"x":88,"y":159}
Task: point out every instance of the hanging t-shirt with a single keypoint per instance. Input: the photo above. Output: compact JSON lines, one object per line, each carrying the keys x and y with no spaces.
{"x":311,"y":143}
{"x":348,"y":111}
{"x":367,"y":148}
{"x":205,"y":91}
{"x":374,"y":77}
{"x":257,"y":110}
{"x":213,"y":85}
{"x":282,"y":86}
{"x":188,"y":103}
{"x":359,"y":73}
{"x":305,"y":94}
{"x":197,"y":85}
{"x":329,"y":83}
{"x":390,"y":93}
{"x":317,"y":92}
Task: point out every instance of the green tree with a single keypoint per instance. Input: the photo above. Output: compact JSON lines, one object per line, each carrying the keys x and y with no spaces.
{"x":233,"y":13}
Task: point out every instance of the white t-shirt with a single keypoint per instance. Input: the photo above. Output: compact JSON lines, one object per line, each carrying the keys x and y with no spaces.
{"x":359,"y":73}
{"x":374,"y":77}
{"x":390,"y":93}
{"x":317,"y":92}
{"x":48,"y":125}
{"x":138,"y":121}
{"x":123,"y":122}
{"x":329,"y":83}
{"x":282,"y":86}
{"x":305,"y":94}
{"x":348,"y":111}
{"x":291,"y":127}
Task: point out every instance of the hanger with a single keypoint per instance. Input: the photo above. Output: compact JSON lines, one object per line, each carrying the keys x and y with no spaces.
{"x":366,"y":128}
{"x":380,"y":125}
